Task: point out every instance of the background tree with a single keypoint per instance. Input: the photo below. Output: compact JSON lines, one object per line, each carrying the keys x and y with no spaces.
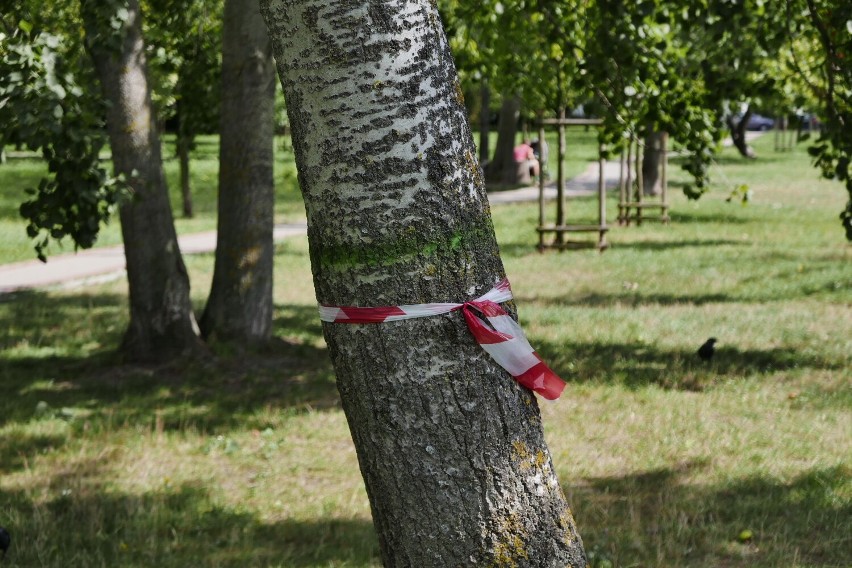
{"x":240,"y":304}
{"x":472,"y":65}
{"x":161,"y":319}
{"x":626,"y":58}
{"x":737,"y":47}
{"x":451,"y":449}
{"x":821,"y":55}
{"x":526,"y":51}
{"x":644,"y":73}
{"x":185,"y":45}
{"x":47,"y":104}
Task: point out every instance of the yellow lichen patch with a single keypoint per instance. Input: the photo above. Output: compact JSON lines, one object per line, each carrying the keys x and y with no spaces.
{"x":527,"y":459}
{"x":510,"y":546}
{"x":567,"y":524}
{"x":458,"y":91}
{"x":506,"y":554}
{"x":519,"y":450}
{"x":473,"y":168}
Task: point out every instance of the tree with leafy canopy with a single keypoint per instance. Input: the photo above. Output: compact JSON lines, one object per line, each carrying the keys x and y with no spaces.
{"x":624,"y":56}
{"x":520,"y":48}
{"x":450,"y":447}
{"x":645,"y":71}
{"x":47,"y":103}
{"x":737,"y":46}
{"x":162,"y":324}
{"x":821,"y":55}
{"x":245,"y":237}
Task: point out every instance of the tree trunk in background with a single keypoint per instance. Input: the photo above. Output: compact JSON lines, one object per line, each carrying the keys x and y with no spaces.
{"x":162,"y":325}
{"x":738,"y":134}
{"x":450,"y":447}
{"x":183,"y":145}
{"x":652,"y":163}
{"x":485,"y":123}
{"x":239,"y":308}
{"x":502,"y":168}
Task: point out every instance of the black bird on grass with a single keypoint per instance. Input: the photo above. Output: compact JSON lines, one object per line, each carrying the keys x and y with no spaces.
{"x":706,"y":351}
{"x":5,"y":541}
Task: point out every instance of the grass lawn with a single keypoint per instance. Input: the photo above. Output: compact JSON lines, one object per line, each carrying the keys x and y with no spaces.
{"x":246,"y":460}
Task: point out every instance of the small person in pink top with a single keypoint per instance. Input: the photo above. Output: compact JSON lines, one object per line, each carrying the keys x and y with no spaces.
{"x":524,"y":153}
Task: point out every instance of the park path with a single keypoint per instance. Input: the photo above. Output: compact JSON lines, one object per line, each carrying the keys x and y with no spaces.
{"x":107,"y":263}
{"x":103,"y":264}
{"x":584,"y":184}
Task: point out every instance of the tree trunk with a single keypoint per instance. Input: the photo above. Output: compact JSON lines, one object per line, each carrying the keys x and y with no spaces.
{"x":239,"y":308}
{"x":183,"y":145}
{"x":450,"y":447}
{"x":561,"y":205}
{"x":485,"y":122}
{"x":502,"y":169}
{"x":162,"y":325}
{"x":738,"y":134}
{"x":652,"y":163}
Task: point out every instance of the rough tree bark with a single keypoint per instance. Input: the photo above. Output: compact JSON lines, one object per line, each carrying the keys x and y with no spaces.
{"x":239,"y":308}
{"x":162,"y":325}
{"x":450,"y":447}
{"x":652,"y":163}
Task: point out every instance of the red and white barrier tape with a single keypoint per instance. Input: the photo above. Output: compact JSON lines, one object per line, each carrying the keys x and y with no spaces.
{"x":493,"y":329}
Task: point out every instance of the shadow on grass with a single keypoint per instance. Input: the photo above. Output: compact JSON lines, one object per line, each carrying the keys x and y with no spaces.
{"x":661,"y":518}
{"x":658,"y":517}
{"x":735,"y":159}
{"x":15,"y":449}
{"x":668,"y":245}
{"x":680,"y":217}
{"x":824,"y":277}
{"x":58,"y":359}
{"x":633,"y":299}
{"x":84,"y":524}
{"x":590,"y":241}
{"x":639,"y":365}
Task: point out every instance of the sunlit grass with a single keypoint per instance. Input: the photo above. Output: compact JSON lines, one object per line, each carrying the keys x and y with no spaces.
{"x":246,"y":460}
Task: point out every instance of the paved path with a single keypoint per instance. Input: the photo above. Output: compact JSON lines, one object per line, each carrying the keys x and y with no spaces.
{"x":107,"y":263}
{"x":102,"y":264}
{"x":584,"y":184}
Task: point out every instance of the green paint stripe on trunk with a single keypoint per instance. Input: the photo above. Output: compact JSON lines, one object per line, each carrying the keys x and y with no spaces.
{"x":402,"y":250}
